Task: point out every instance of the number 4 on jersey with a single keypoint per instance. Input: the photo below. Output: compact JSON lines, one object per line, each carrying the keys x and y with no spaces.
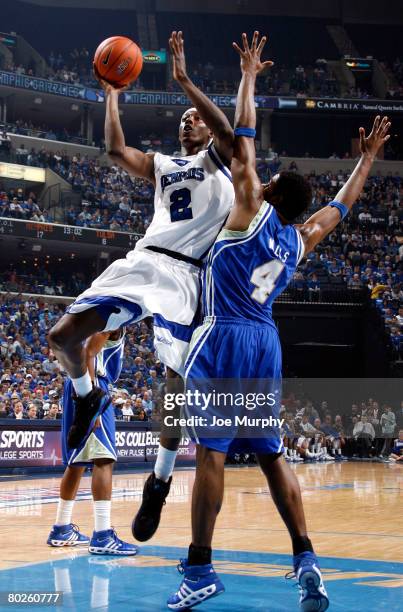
{"x":264,"y":278}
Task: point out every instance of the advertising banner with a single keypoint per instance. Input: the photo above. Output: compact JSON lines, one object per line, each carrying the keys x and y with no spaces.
{"x":25,"y":445}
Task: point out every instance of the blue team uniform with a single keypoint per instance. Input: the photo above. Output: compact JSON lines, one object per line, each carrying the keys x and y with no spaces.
{"x":398,"y":447}
{"x":100,"y":444}
{"x":244,"y":273}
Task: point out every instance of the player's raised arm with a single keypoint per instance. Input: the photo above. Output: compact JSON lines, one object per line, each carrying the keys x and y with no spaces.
{"x":248,"y":188}
{"x":212,"y":116}
{"x":135,"y":162}
{"x":325,"y":220}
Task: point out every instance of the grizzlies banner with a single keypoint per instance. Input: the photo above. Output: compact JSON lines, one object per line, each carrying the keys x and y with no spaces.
{"x":164,"y":98}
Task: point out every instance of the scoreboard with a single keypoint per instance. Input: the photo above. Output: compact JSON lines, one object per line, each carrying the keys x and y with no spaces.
{"x":67,"y":233}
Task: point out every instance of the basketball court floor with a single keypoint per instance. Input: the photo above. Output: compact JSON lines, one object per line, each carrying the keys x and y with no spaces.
{"x":354,"y":513}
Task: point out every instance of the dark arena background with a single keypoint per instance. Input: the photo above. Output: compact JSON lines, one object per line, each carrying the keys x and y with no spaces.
{"x":67,"y":211}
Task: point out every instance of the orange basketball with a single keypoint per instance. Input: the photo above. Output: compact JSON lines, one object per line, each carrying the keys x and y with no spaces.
{"x":118,"y":60}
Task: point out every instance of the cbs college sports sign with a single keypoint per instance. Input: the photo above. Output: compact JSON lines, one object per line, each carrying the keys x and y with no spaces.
{"x":25,"y":445}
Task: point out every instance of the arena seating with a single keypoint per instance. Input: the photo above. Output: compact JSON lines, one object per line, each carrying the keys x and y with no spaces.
{"x":31,"y":387}
{"x":30,"y":375}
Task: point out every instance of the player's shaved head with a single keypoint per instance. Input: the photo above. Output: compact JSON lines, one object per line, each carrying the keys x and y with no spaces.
{"x":187,"y":112}
{"x":290,"y":194}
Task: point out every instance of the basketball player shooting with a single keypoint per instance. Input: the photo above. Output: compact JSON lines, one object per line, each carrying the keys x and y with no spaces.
{"x":160,"y":277}
{"x":251,"y":263}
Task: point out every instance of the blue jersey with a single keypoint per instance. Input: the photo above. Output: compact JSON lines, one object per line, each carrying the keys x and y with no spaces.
{"x":109,"y":361}
{"x":398,"y":447}
{"x":247,"y":270}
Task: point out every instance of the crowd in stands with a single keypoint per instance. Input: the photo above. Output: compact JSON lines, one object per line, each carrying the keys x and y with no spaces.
{"x":39,"y":280}
{"x":16,"y":204}
{"x":31,"y":379}
{"x":299,"y":80}
{"x":27,"y":128}
{"x":396,"y":92}
{"x":318,"y":432}
{"x":31,"y":387}
{"x":364,"y":252}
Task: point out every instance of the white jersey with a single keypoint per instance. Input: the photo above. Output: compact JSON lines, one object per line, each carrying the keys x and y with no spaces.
{"x":193,"y":196}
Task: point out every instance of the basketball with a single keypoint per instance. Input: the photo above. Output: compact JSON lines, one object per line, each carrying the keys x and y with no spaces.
{"x":118,"y":60}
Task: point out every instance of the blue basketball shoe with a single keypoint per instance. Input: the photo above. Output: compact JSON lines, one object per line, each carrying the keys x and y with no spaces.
{"x":313,"y":596}
{"x":67,"y":535}
{"x":200,"y":583}
{"x":107,"y":543}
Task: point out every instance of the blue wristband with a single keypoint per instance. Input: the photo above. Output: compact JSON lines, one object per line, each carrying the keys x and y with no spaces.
{"x":245,"y":131}
{"x":342,"y":208}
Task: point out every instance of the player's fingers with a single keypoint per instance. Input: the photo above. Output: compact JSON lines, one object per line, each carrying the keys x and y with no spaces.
{"x":237,"y":48}
{"x":268,"y":64}
{"x":386,"y":138}
{"x":254,"y":39}
{"x":385,"y":130}
{"x":261,"y":45}
{"x":245,"y":42}
{"x":375,"y":125}
{"x":180,"y":38}
{"x":362,"y":137}
{"x":382,"y":125}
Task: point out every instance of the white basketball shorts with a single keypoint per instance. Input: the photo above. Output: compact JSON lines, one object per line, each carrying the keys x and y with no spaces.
{"x":147,"y":284}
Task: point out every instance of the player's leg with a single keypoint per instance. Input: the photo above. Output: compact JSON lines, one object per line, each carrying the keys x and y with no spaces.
{"x":64,"y":532}
{"x":104,"y":540}
{"x":66,"y":340}
{"x":286,"y":494}
{"x":200,"y":582}
{"x":157,"y":485}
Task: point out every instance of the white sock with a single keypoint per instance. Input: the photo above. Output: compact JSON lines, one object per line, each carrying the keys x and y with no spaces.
{"x":164,"y":466}
{"x":83,"y":385}
{"x":102,"y":515}
{"x":64,"y":512}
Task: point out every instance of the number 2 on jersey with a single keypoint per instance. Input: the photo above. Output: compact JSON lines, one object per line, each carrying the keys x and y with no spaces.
{"x":264,"y":278}
{"x":181,"y":208}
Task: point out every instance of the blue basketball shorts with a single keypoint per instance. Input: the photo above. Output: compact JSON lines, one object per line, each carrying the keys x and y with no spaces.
{"x":240,"y":356}
{"x":100,"y":444}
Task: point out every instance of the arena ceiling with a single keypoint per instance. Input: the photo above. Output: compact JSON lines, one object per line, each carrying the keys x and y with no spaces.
{"x":350,"y":11}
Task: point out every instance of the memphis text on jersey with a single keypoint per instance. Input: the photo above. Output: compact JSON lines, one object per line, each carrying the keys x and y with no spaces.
{"x":196,"y":173}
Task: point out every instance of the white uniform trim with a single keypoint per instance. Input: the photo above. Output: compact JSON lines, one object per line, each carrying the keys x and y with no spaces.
{"x":301,"y":246}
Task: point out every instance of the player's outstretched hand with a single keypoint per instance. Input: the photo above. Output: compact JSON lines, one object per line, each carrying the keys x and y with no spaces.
{"x":370,"y":145}
{"x":250,"y":55}
{"x":107,"y":87}
{"x":176,"y":44}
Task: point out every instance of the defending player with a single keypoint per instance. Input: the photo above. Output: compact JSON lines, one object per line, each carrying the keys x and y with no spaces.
{"x":250,"y":264}
{"x":193,"y":195}
{"x":104,"y":357}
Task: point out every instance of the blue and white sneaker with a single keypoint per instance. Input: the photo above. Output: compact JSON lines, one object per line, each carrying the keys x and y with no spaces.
{"x":67,"y":535}
{"x":107,"y":543}
{"x":200,"y":583}
{"x":313,"y":596}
